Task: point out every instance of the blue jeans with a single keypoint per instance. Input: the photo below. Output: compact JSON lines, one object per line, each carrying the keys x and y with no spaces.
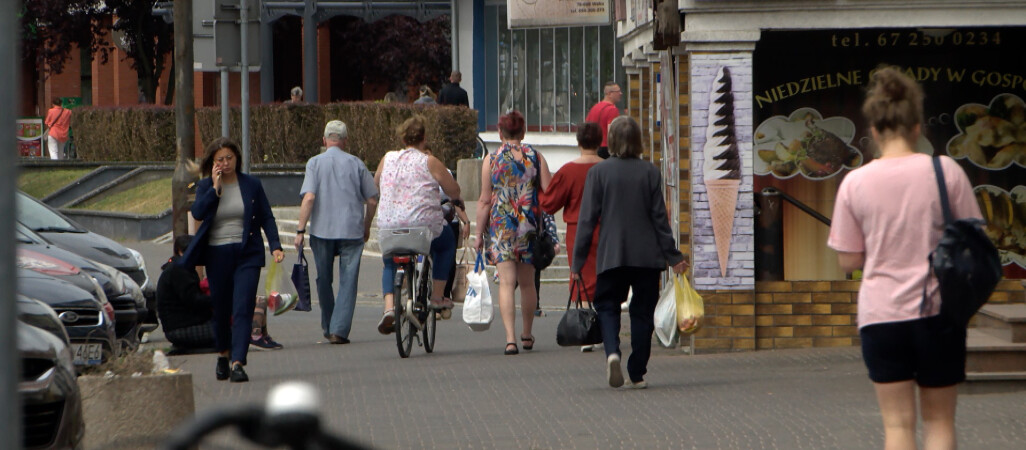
{"x":337,"y":321}
{"x":443,"y":252}
{"x":611,"y":289}
{"x":233,"y":291}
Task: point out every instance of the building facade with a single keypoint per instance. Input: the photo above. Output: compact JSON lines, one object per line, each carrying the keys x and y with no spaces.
{"x":773,"y":73}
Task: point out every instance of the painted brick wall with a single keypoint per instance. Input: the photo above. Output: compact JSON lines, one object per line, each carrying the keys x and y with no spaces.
{"x":795,"y":314}
{"x":740,"y":273}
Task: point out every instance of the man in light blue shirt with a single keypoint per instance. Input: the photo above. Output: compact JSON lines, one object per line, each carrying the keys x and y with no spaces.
{"x":336,"y":190}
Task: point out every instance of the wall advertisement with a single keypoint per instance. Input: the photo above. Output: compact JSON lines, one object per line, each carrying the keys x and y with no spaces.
{"x":809,"y":130}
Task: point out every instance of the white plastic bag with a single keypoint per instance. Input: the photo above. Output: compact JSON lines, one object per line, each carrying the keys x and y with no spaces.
{"x":666,"y":316}
{"x":477,"y":305}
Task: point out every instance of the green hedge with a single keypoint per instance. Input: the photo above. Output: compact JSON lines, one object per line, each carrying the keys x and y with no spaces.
{"x":145,"y":133}
{"x":279,"y":133}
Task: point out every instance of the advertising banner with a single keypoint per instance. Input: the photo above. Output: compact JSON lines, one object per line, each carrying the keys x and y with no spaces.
{"x":557,"y":13}
{"x":29,"y":131}
{"x":809,"y":129}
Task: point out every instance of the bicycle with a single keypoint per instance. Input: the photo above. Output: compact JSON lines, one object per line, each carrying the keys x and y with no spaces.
{"x":413,"y":312}
{"x":290,"y":418}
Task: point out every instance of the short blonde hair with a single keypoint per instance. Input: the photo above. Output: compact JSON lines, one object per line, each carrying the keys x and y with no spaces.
{"x":624,"y":138}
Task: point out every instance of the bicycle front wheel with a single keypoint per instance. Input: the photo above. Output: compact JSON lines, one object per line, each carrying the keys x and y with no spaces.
{"x":404,"y":329}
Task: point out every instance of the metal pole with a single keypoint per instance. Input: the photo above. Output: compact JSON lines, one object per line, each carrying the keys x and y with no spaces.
{"x":454,"y":17}
{"x":310,"y":52}
{"x":10,"y":363}
{"x":244,"y":76}
{"x":224,"y":102}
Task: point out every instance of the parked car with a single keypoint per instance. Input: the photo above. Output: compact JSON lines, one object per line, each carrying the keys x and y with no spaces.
{"x":39,"y":315}
{"x":59,"y":230}
{"x":120,"y":290}
{"x":50,"y":397}
{"x":89,"y":324}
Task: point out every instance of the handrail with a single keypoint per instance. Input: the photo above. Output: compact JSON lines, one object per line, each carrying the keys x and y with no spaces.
{"x":806,"y":208}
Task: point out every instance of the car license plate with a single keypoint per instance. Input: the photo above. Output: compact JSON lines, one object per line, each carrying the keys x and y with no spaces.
{"x":88,"y":354}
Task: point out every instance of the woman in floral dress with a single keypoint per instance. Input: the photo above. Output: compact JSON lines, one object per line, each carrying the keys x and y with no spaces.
{"x":508,"y":211}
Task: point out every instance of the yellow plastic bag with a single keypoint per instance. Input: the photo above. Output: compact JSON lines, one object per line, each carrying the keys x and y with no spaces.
{"x":690,"y":309}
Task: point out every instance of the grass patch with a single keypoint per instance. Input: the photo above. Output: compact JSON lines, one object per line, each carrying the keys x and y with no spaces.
{"x":42,"y":182}
{"x":149,"y":198}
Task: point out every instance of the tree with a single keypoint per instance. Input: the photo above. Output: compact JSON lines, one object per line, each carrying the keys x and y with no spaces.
{"x":146,"y":39}
{"x":51,"y":28}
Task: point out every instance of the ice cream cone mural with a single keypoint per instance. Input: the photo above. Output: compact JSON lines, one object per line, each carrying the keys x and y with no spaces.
{"x":722,"y":168}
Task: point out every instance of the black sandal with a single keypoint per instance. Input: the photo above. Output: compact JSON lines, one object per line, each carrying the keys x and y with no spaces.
{"x":525,"y":340}
{"x":511,"y":352}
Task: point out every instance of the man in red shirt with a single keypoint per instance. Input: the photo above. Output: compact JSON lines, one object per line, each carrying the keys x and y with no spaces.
{"x":604,"y":112}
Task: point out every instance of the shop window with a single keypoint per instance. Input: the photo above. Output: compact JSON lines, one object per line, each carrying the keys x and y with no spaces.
{"x":551,"y":75}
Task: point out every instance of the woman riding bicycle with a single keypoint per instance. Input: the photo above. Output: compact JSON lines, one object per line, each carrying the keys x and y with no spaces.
{"x":409,"y":182}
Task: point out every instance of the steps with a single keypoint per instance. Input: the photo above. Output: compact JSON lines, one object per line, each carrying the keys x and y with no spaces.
{"x":288,"y":221}
{"x":996,"y":349}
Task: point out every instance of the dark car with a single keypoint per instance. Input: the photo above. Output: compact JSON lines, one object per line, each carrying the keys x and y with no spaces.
{"x":121,"y":291}
{"x":59,"y":230}
{"x":89,"y":324}
{"x":39,"y":315}
{"x":50,"y":397}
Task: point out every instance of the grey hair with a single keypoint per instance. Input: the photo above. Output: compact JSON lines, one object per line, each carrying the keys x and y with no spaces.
{"x":297,"y":91}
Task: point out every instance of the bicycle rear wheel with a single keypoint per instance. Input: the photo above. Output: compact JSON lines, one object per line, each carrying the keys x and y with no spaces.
{"x":404,"y":329}
{"x":427,"y":315}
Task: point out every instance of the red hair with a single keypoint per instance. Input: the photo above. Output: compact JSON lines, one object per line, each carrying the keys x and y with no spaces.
{"x":511,"y":125}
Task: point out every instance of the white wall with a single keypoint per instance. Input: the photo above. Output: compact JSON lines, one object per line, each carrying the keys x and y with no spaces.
{"x":558,"y":148}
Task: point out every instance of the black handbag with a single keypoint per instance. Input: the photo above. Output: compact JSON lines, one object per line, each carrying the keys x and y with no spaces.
{"x":965,"y":262}
{"x":301,"y":280}
{"x":544,"y":250}
{"x":579,"y":325}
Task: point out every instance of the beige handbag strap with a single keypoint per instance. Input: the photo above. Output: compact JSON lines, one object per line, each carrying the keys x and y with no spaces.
{"x":463,"y":256}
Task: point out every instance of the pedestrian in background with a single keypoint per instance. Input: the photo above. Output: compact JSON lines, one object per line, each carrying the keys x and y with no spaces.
{"x":339,"y":200}
{"x":508,"y":211}
{"x":453,"y":94}
{"x":427,"y":96}
{"x":58,"y":122}
{"x":604,"y":112}
{"x":887,"y":219}
{"x":411,"y":183}
{"x":296,"y":95}
{"x":565,"y":192}
{"x":233,"y":208}
{"x":635,"y":244}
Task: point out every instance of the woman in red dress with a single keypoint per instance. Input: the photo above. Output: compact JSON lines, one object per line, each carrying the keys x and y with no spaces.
{"x":564,"y":192}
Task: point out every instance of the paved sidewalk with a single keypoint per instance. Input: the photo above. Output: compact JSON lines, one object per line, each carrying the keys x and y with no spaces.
{"x":468,"y":395}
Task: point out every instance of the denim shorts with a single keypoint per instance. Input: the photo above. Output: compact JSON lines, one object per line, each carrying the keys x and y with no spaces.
{"x":927,"y":350}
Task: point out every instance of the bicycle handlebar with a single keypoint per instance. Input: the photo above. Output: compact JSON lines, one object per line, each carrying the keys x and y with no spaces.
{"x":288,"y":420}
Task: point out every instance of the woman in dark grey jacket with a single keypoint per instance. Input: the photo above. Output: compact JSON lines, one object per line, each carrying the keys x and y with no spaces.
{"x":624,"y":193}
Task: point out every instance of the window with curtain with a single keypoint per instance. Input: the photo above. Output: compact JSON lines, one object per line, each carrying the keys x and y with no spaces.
{"x":551,"y":75}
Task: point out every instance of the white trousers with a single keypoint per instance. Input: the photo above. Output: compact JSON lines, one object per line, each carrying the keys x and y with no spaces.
{"x":55,"y":147}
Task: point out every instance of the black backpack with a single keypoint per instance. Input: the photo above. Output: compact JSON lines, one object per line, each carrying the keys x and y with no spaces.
{"x":965,"y":262}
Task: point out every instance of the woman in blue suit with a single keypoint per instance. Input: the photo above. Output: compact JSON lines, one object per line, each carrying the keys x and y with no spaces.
{"x":233,"y":208}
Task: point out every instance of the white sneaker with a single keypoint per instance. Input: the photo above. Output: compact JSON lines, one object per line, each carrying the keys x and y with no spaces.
{"x":587,"y":348}
{"x":639,"y":385}
{"x":613,"y":372}
{"x":385,"y":326}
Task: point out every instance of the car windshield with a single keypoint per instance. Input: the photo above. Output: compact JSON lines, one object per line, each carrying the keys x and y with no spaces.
{"x":38,"y":217}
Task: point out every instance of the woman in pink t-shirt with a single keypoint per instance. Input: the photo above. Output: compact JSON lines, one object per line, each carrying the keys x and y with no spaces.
{"x":886,"y":221}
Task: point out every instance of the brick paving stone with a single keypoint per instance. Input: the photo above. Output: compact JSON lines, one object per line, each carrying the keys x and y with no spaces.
{"x":467,"y":394}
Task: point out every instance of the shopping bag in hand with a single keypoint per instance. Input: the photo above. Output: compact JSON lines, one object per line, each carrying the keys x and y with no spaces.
{"x":579,"y":325}
{"x":301,"y":281}
{"x":690,"y":308}
{"x":666,"y":315}
{"x":477,"y":305}
{"x":281,"y":297}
